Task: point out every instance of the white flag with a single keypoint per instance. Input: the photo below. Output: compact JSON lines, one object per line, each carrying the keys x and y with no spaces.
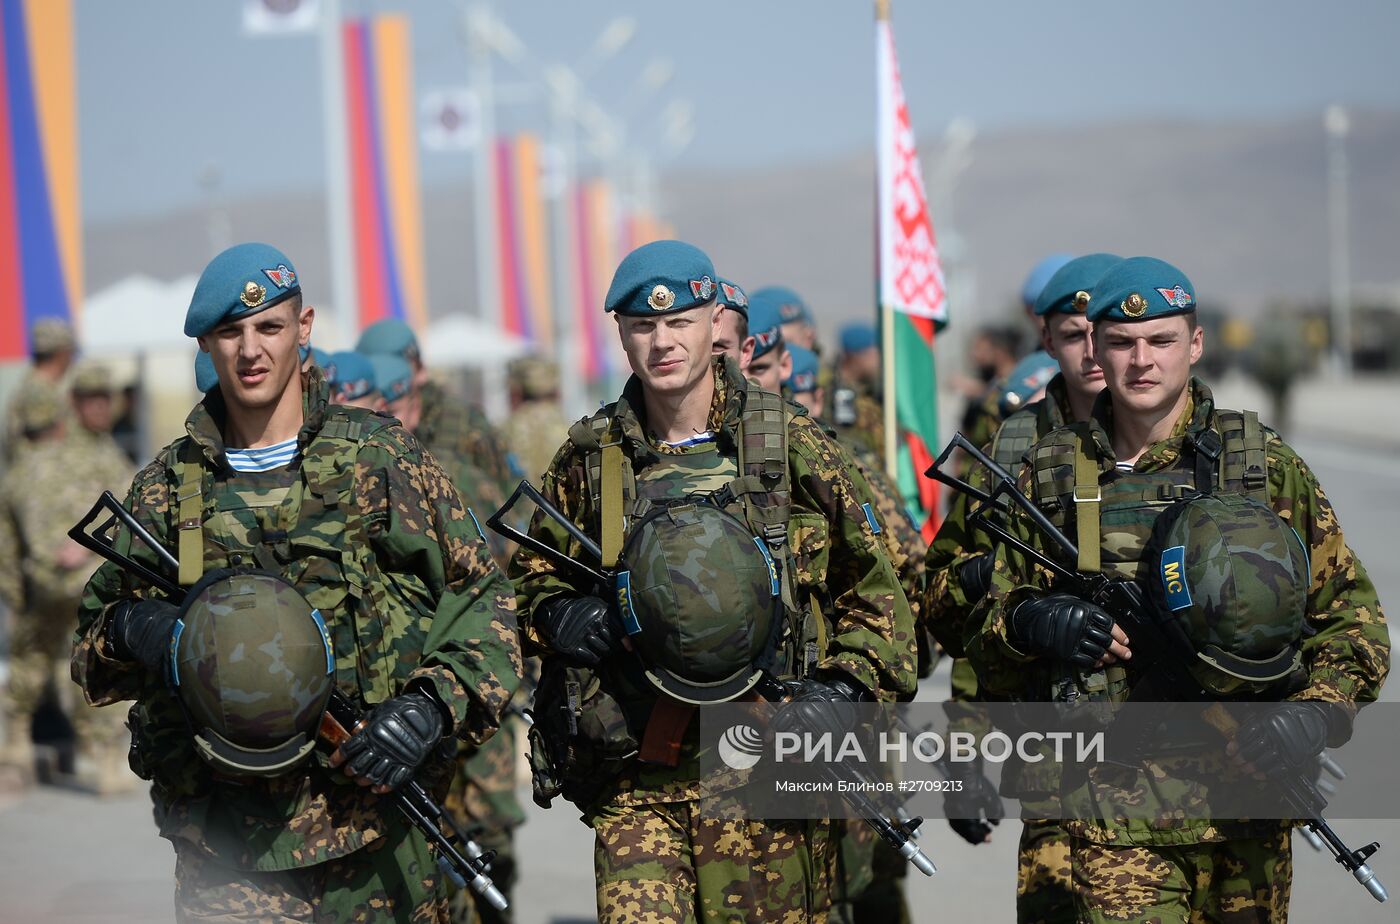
{"x":280,"y":17}
{"x":451,"y":119}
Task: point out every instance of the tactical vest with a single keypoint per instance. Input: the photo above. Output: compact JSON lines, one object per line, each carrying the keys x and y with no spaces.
{"x":1114,"y":512}
{"x":302,"y":523}
{"x":1015,"y":437}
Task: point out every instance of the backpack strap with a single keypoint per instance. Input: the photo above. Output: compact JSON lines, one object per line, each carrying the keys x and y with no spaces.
{"x":763,"y":485}
{"x":1244,"y":463}
{"x":189,"y":514}
{"x":609,"y":474}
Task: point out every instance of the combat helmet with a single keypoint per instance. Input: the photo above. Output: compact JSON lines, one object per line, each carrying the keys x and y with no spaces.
{"x":252,"y":665}
{"x":1229,"y":580}
{"x":700,"y":597}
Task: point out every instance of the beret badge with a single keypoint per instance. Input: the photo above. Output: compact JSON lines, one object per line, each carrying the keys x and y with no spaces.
{"x":1134,"y":306}
{"x":661,"y":298}
{"x":252,"y":294}
{"x":1081,"y":301}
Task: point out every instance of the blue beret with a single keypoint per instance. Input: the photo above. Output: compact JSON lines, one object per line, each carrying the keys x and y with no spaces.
{"x":857,"y":336}
{"x":392,"y":374}
{"x":731,"y":296}
{"x":791,"y":307}
{"x":391,"y":336}
{"x":1040,"y":274}
{"x":765,"y":325}
{"x":1069,"y":290}
{"x":205,"y":378}
{"x":350,"y":375}
{"x":1026,"y":378}
{"x":804,"y":369}
{"x":662,"y":277}
{"x":243,"y":280}
{"x":1140,"y":289}
{"x":320,"y":357}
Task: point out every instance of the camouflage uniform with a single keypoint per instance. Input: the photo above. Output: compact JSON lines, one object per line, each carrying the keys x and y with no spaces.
{"x":866,"y":434}
{"x":32,"y":389}
{"x":51,"y":489}
{"x":1043,"y":889}
{"x":371,"y":531}
{"x":1133,"y":870}
{"x":449,"y":427}
{"x":655,"y":857}
{"x":531,"y":434}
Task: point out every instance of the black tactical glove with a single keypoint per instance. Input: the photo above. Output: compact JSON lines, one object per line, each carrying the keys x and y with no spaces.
{"x":975,"y":576}
{"x":395,"y":739}
{"x":580,"y":628}
{"x":1285,"y":742}
{"x":974,"y":809}
{"x":818,"y":707}
{"x":140,"y":631}
{"x":1063,"y":627}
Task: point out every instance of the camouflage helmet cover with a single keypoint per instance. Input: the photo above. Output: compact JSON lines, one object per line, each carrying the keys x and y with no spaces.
{"x":700,"y":597}
{"x":253,"y":667}
{"x":1234,"y":576}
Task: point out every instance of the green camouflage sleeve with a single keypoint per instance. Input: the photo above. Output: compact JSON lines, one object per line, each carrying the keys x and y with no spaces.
{"x":945,"y":607}
{"x":565,"y":485}
{"x":11,"y":583}
{"x":1349,"y":654}
{"x":872,"y":629}
{"x":105,"y":679}
{"x":418,"y":524}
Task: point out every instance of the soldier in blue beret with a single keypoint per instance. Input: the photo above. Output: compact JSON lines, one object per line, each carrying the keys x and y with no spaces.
{"x":676,"y":432}
{"x":347,"y":507}
{"x":769,"y":363}
{"x":733,"y":338}
{"x":1039,"y":275}
{"x":351,"y":377}
{"x":959,"y":560}
{"x":1154,"y":444}
{"x":802,"y":378}
{"x":205,"y":378}
{"x":798,"y":326}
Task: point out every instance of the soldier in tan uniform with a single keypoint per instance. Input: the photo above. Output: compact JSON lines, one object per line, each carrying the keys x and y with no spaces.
{"x":51,"y":351}
{"x":536,"y":424}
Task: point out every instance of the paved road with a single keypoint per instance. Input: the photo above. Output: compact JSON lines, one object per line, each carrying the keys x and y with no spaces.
{"x":66,"y":857}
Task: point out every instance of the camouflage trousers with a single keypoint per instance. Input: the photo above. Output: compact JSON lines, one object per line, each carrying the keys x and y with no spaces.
{"x":1044,"y":889}
{"x":1242,"y":881}
{"x":666,"y":862}
{"x":869,"y":883}
{"x":41,"y":644}
{"x":392,"y":879}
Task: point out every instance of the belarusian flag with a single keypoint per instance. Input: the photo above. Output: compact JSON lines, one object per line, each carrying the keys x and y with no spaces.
{"x":912,"y":301}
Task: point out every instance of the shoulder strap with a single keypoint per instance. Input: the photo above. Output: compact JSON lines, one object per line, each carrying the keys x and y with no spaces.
{"x":190,"y":512}
{"x":1014,"y":438}
{"x":763,"y":485}
{"x":1087,"y":497}
{"x":609,"y":476}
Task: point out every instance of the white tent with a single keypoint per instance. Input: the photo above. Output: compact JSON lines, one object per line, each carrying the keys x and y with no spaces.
{"x":458,"y":342}
{"x":137,"y":315}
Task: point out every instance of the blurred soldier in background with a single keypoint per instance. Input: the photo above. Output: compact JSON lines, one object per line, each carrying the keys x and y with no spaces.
{"x":536,"y":425}
{"x":732,"y":338}
{"x":42,"y":571}
{"x":51,"y":348}
{"x":852,"y":396}
{"x":447,"y":426}
{"x":796,"y":318}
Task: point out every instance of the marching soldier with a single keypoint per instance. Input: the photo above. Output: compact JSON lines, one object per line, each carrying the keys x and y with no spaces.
{"x":675,"y":435}
{"x":331,"y":527}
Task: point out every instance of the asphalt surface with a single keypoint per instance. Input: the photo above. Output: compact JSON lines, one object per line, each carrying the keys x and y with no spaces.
{"x":68,"y":857}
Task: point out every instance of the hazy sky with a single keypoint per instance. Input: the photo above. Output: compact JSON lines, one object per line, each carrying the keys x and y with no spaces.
{"x":172,"y":88}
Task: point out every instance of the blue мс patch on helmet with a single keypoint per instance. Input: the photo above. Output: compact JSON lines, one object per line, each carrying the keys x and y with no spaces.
{"x":1177,"y":594}
{"x":623,"y":583}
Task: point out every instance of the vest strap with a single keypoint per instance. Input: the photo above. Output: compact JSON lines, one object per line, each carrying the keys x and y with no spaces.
{"x":1087,"y":496}
{"x":190,"y":514}
{"x":1256,"y":463}
{"x":610,"y":511}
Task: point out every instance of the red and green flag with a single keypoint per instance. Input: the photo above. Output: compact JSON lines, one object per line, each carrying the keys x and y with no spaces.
{"x":912,"y":295}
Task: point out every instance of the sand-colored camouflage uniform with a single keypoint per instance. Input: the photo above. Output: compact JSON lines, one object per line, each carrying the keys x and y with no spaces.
{"x":1131,"y":870}
{"x":656,"y":857}
{"x":42,"y":573}
{"x":536,"y":426}
{"x":452,"y":427}
{"x":371,"y":531}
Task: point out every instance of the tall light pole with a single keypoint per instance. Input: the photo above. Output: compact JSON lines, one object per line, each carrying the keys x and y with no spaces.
{"x":1338,"y":126}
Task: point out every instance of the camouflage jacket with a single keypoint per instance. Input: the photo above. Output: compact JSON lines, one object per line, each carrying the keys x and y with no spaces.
{"x":866,"y":434}
{"x":1346,"y":653}
{"x":52,"y":487}
{"x":449,"y":427}
{"x":531,"y":433}
{"x":946,"y":608}
{"x":369,"y":528}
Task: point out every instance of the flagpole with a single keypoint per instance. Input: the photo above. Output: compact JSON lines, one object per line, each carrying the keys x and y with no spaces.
{"x":481,"y":21}
{"x":339,"y":220}
{"x":890,"y":402}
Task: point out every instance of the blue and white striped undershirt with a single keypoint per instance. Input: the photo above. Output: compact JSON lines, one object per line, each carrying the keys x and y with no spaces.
{"x":698,"y":439}
{"x":264,"y":459}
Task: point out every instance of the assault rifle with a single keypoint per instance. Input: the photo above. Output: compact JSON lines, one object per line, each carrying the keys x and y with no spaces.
{"x":459,"y":857}
{"x":1164,"y":640}
{"x":898,"y":830}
